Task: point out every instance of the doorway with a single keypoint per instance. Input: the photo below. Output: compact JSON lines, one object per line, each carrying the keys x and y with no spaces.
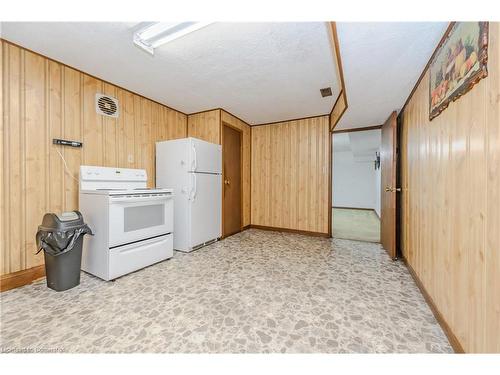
{"x":356,"y":184}
{"x":232,"y":180}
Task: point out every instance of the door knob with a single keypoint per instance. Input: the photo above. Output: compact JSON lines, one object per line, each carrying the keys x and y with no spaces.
{"x":226,"y":182}
{"x":392,"y":189}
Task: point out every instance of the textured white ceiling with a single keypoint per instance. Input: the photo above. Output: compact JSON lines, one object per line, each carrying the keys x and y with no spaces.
{"x":261,"y":72}
{"x":381,"y":63}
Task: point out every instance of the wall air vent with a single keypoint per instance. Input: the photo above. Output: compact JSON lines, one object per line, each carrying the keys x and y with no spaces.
{"x":327,"y":91}
{"x":106,"y":105}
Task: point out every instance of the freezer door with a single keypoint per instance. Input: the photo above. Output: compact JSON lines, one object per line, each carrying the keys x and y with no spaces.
{"x":205,"y":157}
{"x":205,"y":208}
{"x":172,"y":160}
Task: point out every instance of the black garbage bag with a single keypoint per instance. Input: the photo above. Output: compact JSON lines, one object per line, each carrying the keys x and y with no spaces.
{"x":57,"y":243}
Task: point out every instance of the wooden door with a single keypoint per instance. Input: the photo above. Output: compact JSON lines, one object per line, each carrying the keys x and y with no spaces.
{"x":232,"y":209}
{"x":388,"y":159}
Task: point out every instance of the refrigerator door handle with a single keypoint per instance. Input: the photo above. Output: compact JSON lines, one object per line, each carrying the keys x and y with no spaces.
{"x":192,"y":190}
{"x":195,"y":190}
{"x":194,"y":163}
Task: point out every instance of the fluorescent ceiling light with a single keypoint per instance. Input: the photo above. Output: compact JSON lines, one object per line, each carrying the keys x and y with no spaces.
{"x":159,"y":33}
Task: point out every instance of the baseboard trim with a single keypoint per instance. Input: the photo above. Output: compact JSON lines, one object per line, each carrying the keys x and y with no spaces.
{"x":358,"y":208}
{"x":455,"y":344}
{"x":288,"y":230}
{"x":20,"y":278}
{"x":354,"y":208}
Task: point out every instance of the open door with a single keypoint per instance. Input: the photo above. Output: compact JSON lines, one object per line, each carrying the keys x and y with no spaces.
{"x":388,"y":159}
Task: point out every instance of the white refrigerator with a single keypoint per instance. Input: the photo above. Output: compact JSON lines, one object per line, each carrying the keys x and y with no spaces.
{"x":193,"y":168}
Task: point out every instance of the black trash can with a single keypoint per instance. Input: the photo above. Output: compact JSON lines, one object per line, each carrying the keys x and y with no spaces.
{"x":61,"y":238}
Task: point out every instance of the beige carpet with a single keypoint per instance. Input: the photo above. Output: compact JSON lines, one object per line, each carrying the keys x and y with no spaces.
{"x":353,"y":224}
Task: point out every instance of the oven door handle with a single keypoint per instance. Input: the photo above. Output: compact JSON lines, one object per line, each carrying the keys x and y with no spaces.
{"x":140,"y":199}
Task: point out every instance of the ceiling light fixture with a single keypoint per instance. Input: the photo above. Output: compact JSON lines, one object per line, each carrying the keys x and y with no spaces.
{"x":159,"y":33}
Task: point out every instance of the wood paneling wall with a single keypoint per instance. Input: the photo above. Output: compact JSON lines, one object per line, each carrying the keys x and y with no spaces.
{"x":207,"y":126}
{"x":41,"y":100}
{"x":338,"y":110}
{"x":451,"y":205}
{"x":340,"y":105}
{"x":290,"y":175}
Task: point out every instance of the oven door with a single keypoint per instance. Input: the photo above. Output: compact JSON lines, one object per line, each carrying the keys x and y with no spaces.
{"x":135,"y":218}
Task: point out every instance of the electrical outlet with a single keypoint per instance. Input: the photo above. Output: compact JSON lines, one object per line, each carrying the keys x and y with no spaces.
{"x":130,"y":158}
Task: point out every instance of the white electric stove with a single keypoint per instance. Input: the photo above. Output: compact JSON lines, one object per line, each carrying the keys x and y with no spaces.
{"x":132,"y":224}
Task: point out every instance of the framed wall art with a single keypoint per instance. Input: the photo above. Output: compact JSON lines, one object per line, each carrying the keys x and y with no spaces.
{"x":458,"y":64}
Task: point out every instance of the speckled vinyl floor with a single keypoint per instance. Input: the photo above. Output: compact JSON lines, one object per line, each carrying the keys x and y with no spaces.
{"x":256,"y":291}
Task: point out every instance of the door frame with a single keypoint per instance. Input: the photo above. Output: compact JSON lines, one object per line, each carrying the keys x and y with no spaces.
{"x":330,"y":181}
{"x":240,"y":132}
{"x":332,"y":134}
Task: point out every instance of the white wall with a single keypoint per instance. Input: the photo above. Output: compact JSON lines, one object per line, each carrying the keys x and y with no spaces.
{"x":355,"y":182}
